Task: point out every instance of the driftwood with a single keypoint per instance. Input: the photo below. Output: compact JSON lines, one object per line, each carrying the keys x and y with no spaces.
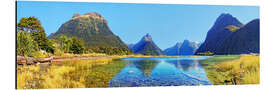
{"x":31,"y":60}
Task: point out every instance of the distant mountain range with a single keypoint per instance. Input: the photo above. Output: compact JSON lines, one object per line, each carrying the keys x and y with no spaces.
{"x":185,"y":48}
{"x":174,"y":50}
{"x":146,"y":46}
{"x":227,"y":36}
{"x":230,"y":36}
{"x":92,"y":28}
{"x":188,"y":48}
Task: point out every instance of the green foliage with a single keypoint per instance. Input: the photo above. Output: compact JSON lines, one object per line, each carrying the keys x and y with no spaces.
{"x":147,"y":52}
{"x":110,"y":50}
{"x":77,"y":46}
{"x":33,"y":26}
{"x":70,"y":45}
{"x":57,"y":48}
{"x":65,"y":43}
{"x":30,"y":24}
{"x":26,"y":46}
{"x":206,"y":53}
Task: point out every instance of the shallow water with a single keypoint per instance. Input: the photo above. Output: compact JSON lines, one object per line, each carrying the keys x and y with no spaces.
{"x":161,"y":71}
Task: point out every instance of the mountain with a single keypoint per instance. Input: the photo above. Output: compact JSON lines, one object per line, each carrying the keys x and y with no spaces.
{"x":185,"y":48}
{"x":188,"y":48}
{"x":223,"y":27}
{"x":246,"y":40}
{"x":130,"y":45}
{"x":92,"y":28}
{"x":146,"y":46}
{"x":198,"y":43}
{"x":51,"y":35}
{"x":172,"y":51}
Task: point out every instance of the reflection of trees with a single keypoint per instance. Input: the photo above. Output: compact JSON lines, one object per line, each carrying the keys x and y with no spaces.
{"x":146,"y":66}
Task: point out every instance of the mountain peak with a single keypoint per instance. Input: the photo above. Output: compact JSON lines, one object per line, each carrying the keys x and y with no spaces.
{"x":89,"y":14}
{"x":146,"y":46}
{"x":94,"y":14}
{"x":186,"y":41}
{"x":224,"y":20}
{"x":147,"y":37}
{"x":178,"y":44}
{"x":225,"y":15}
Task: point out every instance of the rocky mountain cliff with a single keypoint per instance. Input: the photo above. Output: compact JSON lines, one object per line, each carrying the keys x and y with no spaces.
{"x":92,"y":28}
{"x":229,"y":36}
{"x":146,"y":46}
{"x":218,"y":33}
{"x":246,"y":40}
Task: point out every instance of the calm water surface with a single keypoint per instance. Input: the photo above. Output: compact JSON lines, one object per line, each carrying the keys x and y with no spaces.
{"x":161,"y":71}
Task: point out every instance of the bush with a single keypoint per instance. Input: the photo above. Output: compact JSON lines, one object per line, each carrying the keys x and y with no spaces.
{"x":77,"y":46}
{"x":26,"y":46}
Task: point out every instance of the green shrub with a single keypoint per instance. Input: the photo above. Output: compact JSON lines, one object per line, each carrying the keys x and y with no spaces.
{"x":26,"y":46}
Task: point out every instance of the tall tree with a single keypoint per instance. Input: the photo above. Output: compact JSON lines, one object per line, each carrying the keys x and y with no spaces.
{"x":33,"y":26}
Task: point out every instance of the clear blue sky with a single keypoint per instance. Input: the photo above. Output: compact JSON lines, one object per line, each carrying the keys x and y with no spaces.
{"x":166,"y":23}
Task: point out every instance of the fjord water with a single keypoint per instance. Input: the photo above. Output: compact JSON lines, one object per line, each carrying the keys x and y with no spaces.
{"x":161,"y":71}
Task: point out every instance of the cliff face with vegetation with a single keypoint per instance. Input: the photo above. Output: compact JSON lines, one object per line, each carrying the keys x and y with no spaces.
{"x":217,"y":34}
{"x":245,"y":40}
{"x":229,"y":36}
{"x":92,"y":28}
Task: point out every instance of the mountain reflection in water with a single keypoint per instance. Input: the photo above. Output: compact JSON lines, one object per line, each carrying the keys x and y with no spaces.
{"x":161,"y":71}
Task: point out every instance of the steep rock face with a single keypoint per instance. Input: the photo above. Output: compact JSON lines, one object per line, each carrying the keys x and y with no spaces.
{"x":218,"y":33}
{"x":188,"y":48}
{"x":92,"y":28}
{"x":246,"y":40}
{"x":173,"y":51}
{"x":146,"y":46}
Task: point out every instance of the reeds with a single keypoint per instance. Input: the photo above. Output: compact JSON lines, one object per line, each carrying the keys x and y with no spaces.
{"x":69,"y":74}
{"x":245,"y":70}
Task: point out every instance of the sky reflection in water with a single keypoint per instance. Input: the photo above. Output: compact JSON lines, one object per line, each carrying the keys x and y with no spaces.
{"x":161,"y":71}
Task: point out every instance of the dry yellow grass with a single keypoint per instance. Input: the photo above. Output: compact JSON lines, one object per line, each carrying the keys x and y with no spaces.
{"x":25,"y":75}
{"x":69,"y":74}
{"x":245,"y":70}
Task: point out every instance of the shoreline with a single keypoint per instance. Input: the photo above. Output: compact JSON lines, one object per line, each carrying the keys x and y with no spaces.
{"x":52,"y":59}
